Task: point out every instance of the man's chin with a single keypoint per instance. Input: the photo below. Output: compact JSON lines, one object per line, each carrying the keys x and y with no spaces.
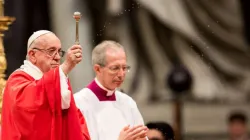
{"x":54,"y":66}
{"x":118,"y":84}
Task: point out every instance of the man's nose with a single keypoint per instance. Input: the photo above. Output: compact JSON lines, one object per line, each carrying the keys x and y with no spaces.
{"x":121,"y":72}
{"x":57,"y":56}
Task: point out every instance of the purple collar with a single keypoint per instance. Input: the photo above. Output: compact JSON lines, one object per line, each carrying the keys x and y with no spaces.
{"x":100,"y":93}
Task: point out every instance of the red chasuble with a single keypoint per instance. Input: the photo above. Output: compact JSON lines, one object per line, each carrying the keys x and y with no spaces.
{"x":32,"y":110}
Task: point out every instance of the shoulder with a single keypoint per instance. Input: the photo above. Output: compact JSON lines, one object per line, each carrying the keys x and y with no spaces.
{"x":18,"y":77}
{"x":83,"y":93}
{"x":83,"y":97}
{"x":17,"y":80}
{"x":124,"y":98}
{"x":19,"y":74}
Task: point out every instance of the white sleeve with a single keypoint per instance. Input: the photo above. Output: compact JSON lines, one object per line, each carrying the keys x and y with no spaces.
{"x":138,"y":120}
{"x":83,"y":105}
{"x":91,"y":123}
{"x":65,"y":93}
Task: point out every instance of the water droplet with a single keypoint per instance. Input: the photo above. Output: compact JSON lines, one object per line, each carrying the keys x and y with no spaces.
{"x":208,"y":26}
{"x":125,"y":10}
{"x":209,"y":65}
{"x":129,"y":10}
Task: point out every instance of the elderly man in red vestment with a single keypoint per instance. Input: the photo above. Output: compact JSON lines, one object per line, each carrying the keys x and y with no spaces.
{"x":37,"y":99}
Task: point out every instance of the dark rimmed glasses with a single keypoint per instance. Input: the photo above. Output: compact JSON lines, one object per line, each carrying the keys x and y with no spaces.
{"x":116,"y":68}
{"x":51,"y":52}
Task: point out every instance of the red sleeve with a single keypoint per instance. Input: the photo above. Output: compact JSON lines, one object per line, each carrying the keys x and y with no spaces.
{"x":83,"y":124}
{"x":25,"y":92}
{"x":0,"y":132}
{"x":32,"y":110}
{"x":29,"y":105}
{"x":77,"y":120}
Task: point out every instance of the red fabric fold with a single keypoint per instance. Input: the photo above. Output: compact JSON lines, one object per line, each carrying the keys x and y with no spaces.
{"x":32,"y":110}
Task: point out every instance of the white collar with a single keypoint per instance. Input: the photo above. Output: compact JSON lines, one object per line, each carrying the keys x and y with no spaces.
{"x":31,"y":69}
{"x":109,"y":92}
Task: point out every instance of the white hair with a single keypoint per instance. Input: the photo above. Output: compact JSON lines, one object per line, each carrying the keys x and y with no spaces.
{"x":99,"y":52}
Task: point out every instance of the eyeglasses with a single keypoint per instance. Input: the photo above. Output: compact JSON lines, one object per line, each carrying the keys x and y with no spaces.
{"x":52,"y":52}
{"x":115,"y":69}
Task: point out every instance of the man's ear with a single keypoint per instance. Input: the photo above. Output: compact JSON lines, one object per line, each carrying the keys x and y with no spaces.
{"x":31,"y":55}
{"x":97,"y":68}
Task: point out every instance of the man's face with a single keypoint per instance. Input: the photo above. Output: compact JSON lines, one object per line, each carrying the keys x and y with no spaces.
{"x":154,"y":134}
{"x":46,"y":55}
{"x":113,"y":73}
{"x":237,"y":129}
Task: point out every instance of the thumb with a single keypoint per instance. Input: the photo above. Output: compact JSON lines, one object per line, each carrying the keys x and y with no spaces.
{"x":126,"y":128}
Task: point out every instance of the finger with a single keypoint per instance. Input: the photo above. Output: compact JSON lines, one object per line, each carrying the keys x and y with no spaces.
{"x":74,"y":57}
{"x":76,"y":51}
{"x":126,"y":128}
{"x":140,"y":134}
{"x":78,"y":60}
{"x":144,"y":138}
{"x":75,"y":47}
{"x":78,"y":55}
{"x":143,"y":135}
{"x":133,"y":128}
